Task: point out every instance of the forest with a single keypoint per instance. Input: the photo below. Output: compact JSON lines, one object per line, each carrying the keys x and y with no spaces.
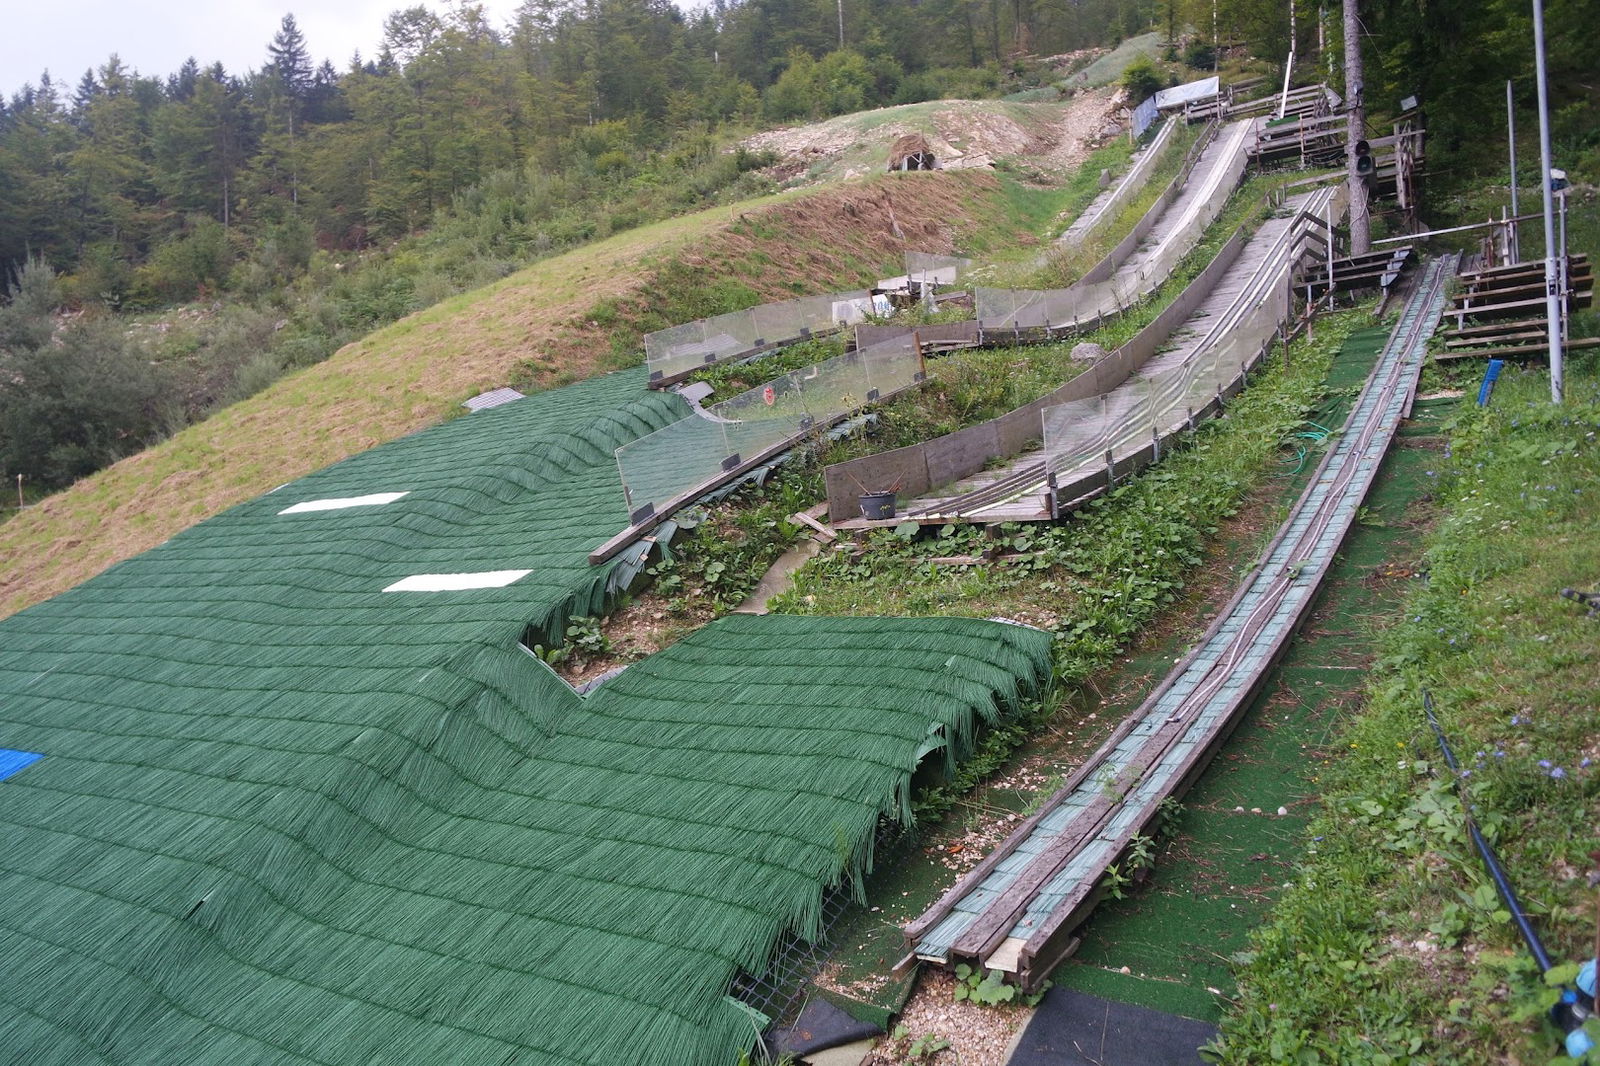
{"x":271,"y":215}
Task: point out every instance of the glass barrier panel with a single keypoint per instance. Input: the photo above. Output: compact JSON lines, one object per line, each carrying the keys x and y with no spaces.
{"x":779,"y":322}
{"x":838,"y":386}
{"x":891,"y":366}
{"x":937,"y":269}
{"x":1074,"y":434}
{"x":664,"y":464}
{"x":993,"y":307}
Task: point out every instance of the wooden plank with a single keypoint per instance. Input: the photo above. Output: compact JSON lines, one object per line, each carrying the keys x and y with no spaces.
{"x":1528,"y":288}
{"x":956,"y":455}
{"x":1496,"y":338}
{"x":1527,"y":351}
{"x":1495,"y":327}
{"x":828,"y":536}
{"x":1579,"y":300}
{"x":1532,"y":268}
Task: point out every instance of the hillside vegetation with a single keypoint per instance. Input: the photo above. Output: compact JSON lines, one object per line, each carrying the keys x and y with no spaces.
{"x":559,"y":320}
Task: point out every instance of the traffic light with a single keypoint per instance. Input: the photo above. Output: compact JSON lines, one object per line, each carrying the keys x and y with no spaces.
{"x":1365,"y":167}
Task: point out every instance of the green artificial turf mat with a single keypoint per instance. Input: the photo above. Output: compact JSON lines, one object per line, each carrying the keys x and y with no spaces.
{"x":1217,"y":877}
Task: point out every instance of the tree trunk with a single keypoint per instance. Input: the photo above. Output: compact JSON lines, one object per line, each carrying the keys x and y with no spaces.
{"x":1356,"y":109}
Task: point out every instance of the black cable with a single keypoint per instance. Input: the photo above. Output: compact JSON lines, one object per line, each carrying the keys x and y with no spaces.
{"x":1490,"y":860}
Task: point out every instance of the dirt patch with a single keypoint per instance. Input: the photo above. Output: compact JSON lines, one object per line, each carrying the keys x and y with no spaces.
{"x":635,"y":632}
{"x":961,"y":134}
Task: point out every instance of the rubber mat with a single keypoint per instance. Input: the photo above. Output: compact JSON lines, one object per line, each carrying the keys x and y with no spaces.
{"x":1073,"y":1029}
{"x":820,"y":1026}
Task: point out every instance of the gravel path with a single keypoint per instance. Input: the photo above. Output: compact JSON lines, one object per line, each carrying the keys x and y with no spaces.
{"x":977,"y":1035}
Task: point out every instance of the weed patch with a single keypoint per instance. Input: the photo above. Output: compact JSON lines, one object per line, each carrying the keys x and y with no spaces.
{"x":1392,"y":945}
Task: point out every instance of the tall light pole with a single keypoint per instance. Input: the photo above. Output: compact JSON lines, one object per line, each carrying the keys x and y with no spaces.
{"x":1552,"y":294}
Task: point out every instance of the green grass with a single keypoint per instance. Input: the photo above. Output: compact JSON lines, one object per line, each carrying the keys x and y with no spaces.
{"x":1066,"y":267}
{"x":1109,"y":67}
{"x":1391,"y":946}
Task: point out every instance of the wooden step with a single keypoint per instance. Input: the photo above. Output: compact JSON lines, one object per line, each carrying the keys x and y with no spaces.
{"x":1520,"y":351}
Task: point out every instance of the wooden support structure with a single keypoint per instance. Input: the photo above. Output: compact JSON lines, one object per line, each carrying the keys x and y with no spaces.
{"x":1496,"y":312}
{"x":1375,"y":270}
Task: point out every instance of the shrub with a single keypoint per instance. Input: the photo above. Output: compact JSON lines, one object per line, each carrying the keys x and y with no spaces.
{"x":1142,"y":79}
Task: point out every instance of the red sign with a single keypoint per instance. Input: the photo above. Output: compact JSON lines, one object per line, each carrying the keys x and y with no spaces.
{"x":768,"y":395}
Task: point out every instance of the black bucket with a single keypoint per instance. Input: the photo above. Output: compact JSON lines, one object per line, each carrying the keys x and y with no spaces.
{"x":877,"y":505}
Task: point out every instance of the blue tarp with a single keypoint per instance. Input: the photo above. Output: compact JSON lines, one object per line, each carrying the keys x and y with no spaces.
{"x":1143,"y":116}
{"x":12,"y":761}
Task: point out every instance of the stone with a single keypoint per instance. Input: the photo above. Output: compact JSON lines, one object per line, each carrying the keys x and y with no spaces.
{"x":1087,"y":352}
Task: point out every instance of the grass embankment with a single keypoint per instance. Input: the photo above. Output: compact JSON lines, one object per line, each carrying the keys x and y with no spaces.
{"x":557,"y":321}
{"x":1391,"y":946}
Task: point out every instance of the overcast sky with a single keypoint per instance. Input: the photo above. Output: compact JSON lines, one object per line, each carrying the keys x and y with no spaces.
{"x":154,"y":37}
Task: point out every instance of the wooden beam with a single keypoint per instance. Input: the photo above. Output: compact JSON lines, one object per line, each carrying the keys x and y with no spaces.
{"x":1537,"y":351}
{"x":1580,"y":299}
{"x":828,"y":535}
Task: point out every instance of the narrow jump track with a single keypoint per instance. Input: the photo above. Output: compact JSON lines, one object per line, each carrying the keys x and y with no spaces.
{"x":1017,"y":910}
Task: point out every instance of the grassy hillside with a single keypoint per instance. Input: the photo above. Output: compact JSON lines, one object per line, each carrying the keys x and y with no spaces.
{"x":563,"y":319}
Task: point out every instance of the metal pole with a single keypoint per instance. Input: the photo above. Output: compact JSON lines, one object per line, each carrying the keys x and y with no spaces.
{"x":1288,"y":69}
{"x":1413,"y":237}
{"x":1511,"y":138}
{"x":1330,"y":257}
{"x":1552,"y":299}
{"x":1566,"y":281}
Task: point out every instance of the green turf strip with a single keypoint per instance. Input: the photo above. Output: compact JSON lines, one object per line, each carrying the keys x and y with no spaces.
{"x":286,"y":816}
{"x":1217,"y":877}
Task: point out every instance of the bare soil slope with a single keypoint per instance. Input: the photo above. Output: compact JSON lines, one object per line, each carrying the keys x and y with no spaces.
{"x":1054,"y":136}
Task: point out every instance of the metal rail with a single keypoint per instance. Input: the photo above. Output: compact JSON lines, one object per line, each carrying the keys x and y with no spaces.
{"x":1275,"y":264}
{"x":1017,"y":909}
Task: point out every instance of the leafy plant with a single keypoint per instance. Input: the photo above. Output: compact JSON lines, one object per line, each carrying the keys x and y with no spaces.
{"x":921,"y":1048}
{"x":1141,"y":853}
{"x":989,"y":989}
{"x":586,"y":638}
{"x":665,"y":578}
